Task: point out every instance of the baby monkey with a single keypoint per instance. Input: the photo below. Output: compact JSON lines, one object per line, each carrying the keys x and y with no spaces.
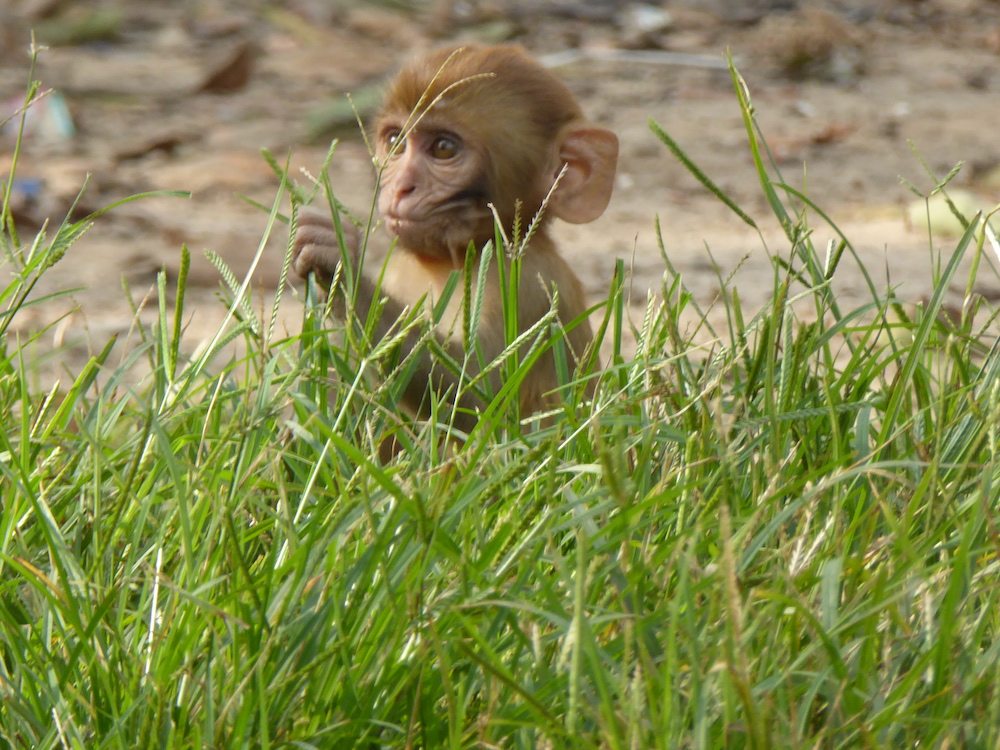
{"x":464,"y":133}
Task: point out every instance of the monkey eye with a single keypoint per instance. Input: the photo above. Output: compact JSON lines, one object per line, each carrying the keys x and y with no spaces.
{"x":394,"y":140}
{"x":445,"y":147}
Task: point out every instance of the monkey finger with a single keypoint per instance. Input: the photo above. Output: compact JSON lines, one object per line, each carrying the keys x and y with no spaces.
{"x":313,"y":259}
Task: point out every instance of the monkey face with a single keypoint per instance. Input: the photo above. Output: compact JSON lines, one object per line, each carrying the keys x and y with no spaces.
{"x":433,"y":194}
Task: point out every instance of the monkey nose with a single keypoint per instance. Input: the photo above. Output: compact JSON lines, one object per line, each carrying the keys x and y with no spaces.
{"x":399,"y":202}
{"x":405,"y":191}
{"x":408,"y":170}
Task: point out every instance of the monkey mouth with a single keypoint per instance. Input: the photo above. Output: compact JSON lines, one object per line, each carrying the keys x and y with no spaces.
{"x":401,"y":224}
{"x":411,"y":229}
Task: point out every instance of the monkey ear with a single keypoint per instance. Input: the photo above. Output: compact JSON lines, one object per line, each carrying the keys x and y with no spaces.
{"x":591,"y":158}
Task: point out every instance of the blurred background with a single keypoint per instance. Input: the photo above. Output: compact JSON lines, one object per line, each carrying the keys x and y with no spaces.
{"x":184,"y":94}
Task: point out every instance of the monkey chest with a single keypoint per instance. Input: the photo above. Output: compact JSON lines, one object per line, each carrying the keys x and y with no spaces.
{"x":417,"y":285}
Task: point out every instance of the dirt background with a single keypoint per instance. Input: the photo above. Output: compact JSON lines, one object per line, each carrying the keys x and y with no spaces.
{"x":183,"y":95}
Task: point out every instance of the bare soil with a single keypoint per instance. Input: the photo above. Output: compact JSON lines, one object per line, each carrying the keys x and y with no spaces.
{"x":843,"y":94}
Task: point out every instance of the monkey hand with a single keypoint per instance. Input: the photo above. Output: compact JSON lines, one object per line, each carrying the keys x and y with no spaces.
{"x":316,"y":249}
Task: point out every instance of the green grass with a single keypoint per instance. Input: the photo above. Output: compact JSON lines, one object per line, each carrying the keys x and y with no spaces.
{"x":788,"y":541}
